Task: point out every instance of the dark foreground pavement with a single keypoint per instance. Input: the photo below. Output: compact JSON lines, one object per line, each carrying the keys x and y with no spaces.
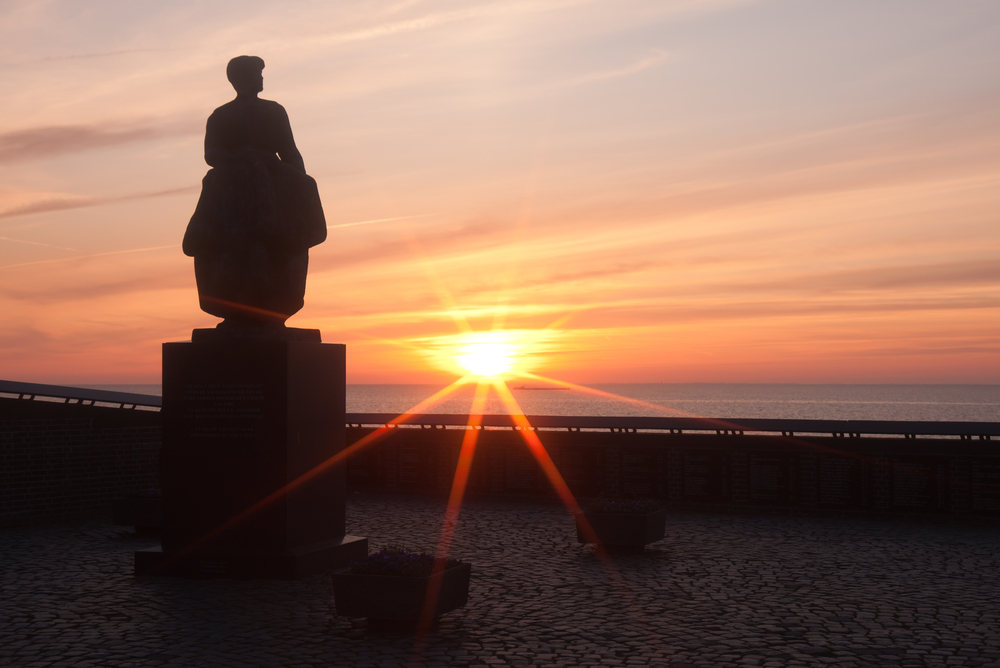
{"x":719,"y":591}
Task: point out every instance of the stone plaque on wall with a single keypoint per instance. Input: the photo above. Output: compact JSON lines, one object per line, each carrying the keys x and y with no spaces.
{"x":224,"y":410}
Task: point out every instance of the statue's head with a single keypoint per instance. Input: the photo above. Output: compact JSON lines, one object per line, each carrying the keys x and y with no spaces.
{"x":245,"y":73}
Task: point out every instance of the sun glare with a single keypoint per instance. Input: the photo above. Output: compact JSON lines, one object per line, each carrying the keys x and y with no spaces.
{"x":492,"y":353}
{"x":486,"y":359}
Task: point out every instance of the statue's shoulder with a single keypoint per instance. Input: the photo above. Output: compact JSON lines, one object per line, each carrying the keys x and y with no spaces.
{"x":232,"y":112}
{"x":238,"y":106}
{"x":273,"y":108}
{"x":228,"y":110}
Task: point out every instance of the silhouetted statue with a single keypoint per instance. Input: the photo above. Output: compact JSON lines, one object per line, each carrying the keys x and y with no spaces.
{"x":259,"y":213}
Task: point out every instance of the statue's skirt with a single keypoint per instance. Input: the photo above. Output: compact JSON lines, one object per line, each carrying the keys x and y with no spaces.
{"x":250,"y":234}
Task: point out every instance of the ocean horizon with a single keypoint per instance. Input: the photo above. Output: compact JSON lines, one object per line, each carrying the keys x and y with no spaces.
{"x":909,"y":402}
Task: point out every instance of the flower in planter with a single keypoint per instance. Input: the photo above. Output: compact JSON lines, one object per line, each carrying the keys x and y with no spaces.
{"x":395,"y":560}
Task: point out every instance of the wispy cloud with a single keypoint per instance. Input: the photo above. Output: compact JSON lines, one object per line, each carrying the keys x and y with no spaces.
{"x":918,"y":278}
{"x":91,"y":255}
{"x":436,"y":19}
{"x":654,"y":313}
{"x":37,"y":243}
{"x":149,"y":281}
{"x":84,"y":56}
{"x":444,"y":240}
{"x":70,"y":202}
{"x":376,"y":220}
{"x":45,"y":142}
{"x":656,"y":57}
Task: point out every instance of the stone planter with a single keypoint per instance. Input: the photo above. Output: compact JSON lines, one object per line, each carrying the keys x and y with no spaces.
{"x":625,"y":530}
{"x":398,"y":598}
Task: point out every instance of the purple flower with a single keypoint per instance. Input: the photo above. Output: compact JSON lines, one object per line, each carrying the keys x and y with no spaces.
{"x":394,"y":560}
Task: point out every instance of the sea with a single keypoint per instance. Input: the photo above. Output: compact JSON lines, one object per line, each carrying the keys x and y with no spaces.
{"x":960,"y":403}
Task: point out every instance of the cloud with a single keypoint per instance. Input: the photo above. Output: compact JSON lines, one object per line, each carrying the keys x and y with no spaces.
{"x":921,"y":351}
{"x":433,"y":20}
{"x":91,"y":291}
{"x":916,"y":279}
{"x":665,"y":312}
{"x":376,"y":220}
{"x":20,"y":338}
{"x":38,"y":243}
{"x":84,"y":56}
{"x":901,"y":279}
{"x":84,"y":257}
{"x":382,"y":252}
{"x":657,"y":56}
{"x":53,"y":140}
{"x":63,"y":203}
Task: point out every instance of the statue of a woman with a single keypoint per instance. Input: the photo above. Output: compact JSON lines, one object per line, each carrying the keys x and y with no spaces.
{"x":259,"y":213}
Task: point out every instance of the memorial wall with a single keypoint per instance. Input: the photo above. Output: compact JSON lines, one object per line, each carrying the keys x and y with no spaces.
{"x":60,"y":461}
{"x":810,"y":474}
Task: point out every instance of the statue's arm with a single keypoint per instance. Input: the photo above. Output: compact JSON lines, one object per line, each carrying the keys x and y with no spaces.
{"x":215,"y":154}
{"x":287,"y":150}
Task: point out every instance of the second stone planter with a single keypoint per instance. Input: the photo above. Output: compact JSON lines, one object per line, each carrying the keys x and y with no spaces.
{"x":625,"y":530}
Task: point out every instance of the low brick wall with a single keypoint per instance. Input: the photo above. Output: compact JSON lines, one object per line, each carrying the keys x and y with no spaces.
{"x":59,"y":461}
{"x":813,"y":475}
{"x":54,"y":468}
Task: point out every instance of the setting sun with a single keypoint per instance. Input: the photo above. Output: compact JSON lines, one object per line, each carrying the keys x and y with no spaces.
{"x":486,"y":359}
{"x":498,"y":352}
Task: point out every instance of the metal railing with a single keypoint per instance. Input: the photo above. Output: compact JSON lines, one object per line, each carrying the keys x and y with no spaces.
{"x":676,"y":425}
{"x":10,"y":389}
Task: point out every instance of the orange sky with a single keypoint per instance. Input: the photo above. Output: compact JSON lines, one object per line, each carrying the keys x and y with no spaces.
{"x":697,"y":191}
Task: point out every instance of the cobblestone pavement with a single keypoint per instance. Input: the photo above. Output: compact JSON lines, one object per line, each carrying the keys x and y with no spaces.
{"x":718,"y":591}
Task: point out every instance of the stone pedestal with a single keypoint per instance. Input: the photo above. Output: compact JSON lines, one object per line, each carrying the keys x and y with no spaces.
{"x":246,"y":421}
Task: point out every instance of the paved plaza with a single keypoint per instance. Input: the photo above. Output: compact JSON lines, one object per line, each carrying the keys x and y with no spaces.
{"x":720,"y":590}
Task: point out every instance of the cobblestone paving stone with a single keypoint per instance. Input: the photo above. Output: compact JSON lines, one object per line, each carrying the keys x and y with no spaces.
{"x":718,"y":591}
